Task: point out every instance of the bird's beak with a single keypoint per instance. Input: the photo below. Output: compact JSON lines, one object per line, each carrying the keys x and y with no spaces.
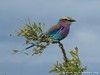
{"x":73,"y":20}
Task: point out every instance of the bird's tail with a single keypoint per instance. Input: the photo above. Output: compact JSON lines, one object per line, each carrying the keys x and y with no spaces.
{"x":30,"y":46}
{"x":27,"y":47}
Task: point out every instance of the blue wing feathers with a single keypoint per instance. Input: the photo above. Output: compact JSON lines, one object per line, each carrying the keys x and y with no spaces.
{"x":56,"y":33}
{"x":53,"y":32}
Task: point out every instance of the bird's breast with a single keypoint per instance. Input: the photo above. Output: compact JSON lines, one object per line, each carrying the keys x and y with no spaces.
{"x":65,"y":32}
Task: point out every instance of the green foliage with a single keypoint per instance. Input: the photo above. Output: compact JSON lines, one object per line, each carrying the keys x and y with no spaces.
{"x":34,"y":35}
{"x":72,"y":67}
{"x":31,"y":32}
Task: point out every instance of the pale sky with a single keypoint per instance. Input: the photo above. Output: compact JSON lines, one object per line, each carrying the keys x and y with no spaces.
{"x":85,"y":34}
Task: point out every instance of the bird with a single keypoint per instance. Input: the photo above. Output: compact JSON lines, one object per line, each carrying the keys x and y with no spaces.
{"x":60,"y":30}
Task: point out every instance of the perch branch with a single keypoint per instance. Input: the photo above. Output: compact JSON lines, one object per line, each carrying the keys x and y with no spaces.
{"x":63,"y":50}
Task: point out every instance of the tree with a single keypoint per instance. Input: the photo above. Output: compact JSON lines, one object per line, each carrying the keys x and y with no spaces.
{"x":34,"y":33}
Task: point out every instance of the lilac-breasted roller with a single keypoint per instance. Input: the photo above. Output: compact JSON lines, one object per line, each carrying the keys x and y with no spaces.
{"x":60,"y":30}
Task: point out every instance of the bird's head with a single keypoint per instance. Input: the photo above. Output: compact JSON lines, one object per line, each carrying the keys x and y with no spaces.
{"x":67,"y":20}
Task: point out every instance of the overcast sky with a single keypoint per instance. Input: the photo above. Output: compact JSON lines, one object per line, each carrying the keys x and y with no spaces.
{"x":85,"y":34}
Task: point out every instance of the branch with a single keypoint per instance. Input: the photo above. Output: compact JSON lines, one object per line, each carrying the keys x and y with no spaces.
{"x":62,"y":49}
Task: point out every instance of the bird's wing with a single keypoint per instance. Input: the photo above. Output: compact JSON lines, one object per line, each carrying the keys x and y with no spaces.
{"x":53,"y":29}
{"x":55,"y":32}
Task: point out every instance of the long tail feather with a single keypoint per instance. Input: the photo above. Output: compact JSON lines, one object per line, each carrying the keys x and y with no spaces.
{"x":15,"y":51}
{"x":27,"y":48}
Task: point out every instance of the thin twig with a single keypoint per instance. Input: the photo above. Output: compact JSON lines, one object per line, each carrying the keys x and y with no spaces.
{"x":62,"y":49}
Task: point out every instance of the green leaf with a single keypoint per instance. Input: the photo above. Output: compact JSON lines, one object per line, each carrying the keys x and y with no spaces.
{"x":27,"y":41}
{"x":76,"y":48}
{"x":53,"y":70}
